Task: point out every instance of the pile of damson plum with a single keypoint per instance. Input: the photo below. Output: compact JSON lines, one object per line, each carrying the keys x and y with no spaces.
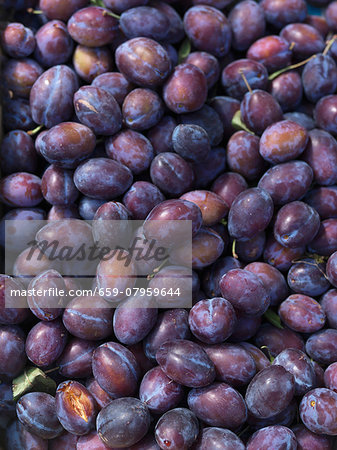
{"x":220,"y":112}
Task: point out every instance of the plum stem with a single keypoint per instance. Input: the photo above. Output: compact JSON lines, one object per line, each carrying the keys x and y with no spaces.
{"x":293,"y":66}
{"x":35,"y":130}
{"x":233,"y":250}
{"x":34,"y":11}
{"x":329,"y":44}
{"x":246,"y":81}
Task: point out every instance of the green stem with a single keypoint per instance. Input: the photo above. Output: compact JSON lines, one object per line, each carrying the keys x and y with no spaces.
{"x":285,"y":69}
{"x":35,"y":131}
{"x":233,"y":250}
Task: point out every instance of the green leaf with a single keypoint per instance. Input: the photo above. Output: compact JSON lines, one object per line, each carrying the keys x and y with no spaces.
{"x":273,"y":318}
{"x":184,"y":50}
{"x":32,"y":379}
{"x":238,"y":124}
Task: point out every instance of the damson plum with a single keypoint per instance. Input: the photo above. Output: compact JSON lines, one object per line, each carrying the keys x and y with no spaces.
{"x":308,"y":277}
{"x":75,"y":407}
{"x":214,"y":437}
{"x":297,"y":363}
{"x":18,"y":153}
{"x":175,"y":32}
{"x":306,"y":438}
{"x":243,"y":155}
{"x":319,"y":77}
{"x":133,"y":319}
{"x":305,"y":39}
{"x":143,"y":61}
{"x":331,"y":269}
{"x":288,"y":91}
{"x":325,"y":242}
{"x":186,"y":89}
{"x":248,"y":24}
{"x":318,"y":411}
{"x":296,"y":224}
{"x":275,"y":436}
{"x":321,"y":155}
{"x":51,"y":97}
{"x":115,"y":83}
{"x":271,"y":51}
{"x":17,"y":40}
{"x":186,"y":363}
{"x":280,"y":256}
{"x":245,"y":328}
{"x":207,"y":63}
{"x":124,"y":422}
{"x":274,"y":340}
{"x":322,"y":346}
{"x":46,"y":342}
{"x":102,"y":398}
{"x":280,"y":14}
{"x":177,"y":428}
{"x":212,"y":321}
{"x":208,"y":119}
{"x":102,"y":178}
{"x":75,"y":360}
{"x":21,"y":189}
{"x":19,"y":75}
{"x":233,"y":364}
{"x":171,"y":324}
{"x":159,"y":392}
{"x":144,"y":21}
{"x":161,"y":135}
{"x":47,"y":306}
{"x":61,"y":9}
{"x":272,"y":279}
{"x":67,"y":144}
{"x":53,"y":44}
{"x":259,"y":110}
{"x":325,"y":114}
{"x":233,"y":82}
{"x":115,"y":369}
{"x":142,"y":109}
{"x":228,"y":186}
{"x":269,"y":392}
{"x":88,"y":318}
{"x":329,"y":305}
{"x":208,"y":29}
{"x":11,"y":312}
{"x":90,"y":441}
{"x":245,"y":291}
{"x":287,"y":182}
{"x":218,"y":405}
{"x":30,"y":263}
{"x":12,"y":354}
{"x":207,"y":247}
{"x":206,"y":171}
{"x":37,"y":412}
{"x":324,"y":200}
{"x":212,"y":207}
{"x":191,"y":142}
{"x":90,"y":62}
{"x":250,"y":213}
{"x":17,"y":115}
{"x":301,"y":118}
{"x":92,"y":27}
{"x":171,"y":173}
{"x":89,"y":206}
{"x":131,"y":149}
{"x":260,"y":359}
{"x":302,"y":313}
{"x":97,"y":109}
{"x":141,"y":198}
{"x":57,"y":186}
